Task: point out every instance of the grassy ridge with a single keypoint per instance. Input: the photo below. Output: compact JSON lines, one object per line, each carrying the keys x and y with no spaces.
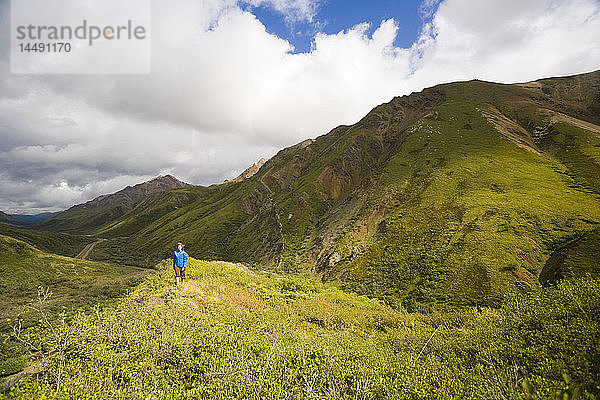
{"x":94,"y":215}
{"x":83,"y":221}
{"x":229,"y":333}
{"x":24,"y":268}
{"x":74,"y":284}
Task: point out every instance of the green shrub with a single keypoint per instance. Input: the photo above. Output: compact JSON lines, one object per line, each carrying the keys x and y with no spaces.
{"x":232,"y":333}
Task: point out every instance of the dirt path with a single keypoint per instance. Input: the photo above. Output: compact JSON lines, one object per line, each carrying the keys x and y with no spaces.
{"x":86,"y":250}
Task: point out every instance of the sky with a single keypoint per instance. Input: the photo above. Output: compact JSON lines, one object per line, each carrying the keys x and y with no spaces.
{"x":333,"y":16}
{"x":235,"y":80}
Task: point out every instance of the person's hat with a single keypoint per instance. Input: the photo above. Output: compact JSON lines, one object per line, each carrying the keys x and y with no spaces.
{"x":179,"y":243}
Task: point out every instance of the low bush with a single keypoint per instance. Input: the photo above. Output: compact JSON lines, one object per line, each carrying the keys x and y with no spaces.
{"x":232,"y":333}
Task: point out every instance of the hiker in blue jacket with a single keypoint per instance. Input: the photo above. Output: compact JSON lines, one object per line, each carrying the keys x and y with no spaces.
{"x":180,"y":262}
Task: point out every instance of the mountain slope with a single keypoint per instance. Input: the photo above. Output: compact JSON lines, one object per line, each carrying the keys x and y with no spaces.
{"x":92,"y":215}
{"x":452,"y":195}
{"x":576,"y":257}
{"x":7,"y":218}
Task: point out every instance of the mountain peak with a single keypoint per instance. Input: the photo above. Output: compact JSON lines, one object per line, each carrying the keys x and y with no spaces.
{"x":250,"y":171}
{"x":137,"y":192}
{"x":114,"y":204}
{"x":164,"y":178}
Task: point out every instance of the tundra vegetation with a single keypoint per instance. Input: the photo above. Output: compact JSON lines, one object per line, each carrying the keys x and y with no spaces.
{"x":231,"y":332}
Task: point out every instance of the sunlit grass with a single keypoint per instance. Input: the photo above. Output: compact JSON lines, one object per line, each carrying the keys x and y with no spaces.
{"x":233,"y":333}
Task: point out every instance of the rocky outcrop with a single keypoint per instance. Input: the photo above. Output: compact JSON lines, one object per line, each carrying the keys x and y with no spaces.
{"x":250,"y":171}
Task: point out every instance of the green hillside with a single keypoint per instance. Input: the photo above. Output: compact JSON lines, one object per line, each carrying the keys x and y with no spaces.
{"x":233,"y":333}
{"x":471,"y":213}
{"x":63,"y":244}
{"x":74,"y":284}
{"x":24,"y":268}
{"x":453,"y":195}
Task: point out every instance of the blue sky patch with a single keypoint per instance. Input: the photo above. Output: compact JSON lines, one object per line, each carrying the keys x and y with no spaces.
{"x":337,"y":15}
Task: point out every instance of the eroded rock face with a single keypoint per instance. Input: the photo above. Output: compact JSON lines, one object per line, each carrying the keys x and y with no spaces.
{"x":250,"y":171}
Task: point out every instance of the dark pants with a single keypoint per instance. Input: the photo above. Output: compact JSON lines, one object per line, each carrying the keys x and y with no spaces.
{"x":179,"y":272}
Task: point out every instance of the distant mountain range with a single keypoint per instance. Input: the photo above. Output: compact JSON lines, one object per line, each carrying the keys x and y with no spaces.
{"x":454,"y":194}
{"x":101,"y":211}
{"x":25,"y":219}
{"x":30,"y":219}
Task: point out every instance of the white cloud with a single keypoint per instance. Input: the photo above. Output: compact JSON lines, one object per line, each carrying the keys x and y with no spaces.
{"x":223,"y":92}
{"x":509,"y":40}
{"x":428,"y":8}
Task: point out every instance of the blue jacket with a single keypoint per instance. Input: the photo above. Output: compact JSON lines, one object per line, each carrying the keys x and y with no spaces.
{"x":180,"y":259}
